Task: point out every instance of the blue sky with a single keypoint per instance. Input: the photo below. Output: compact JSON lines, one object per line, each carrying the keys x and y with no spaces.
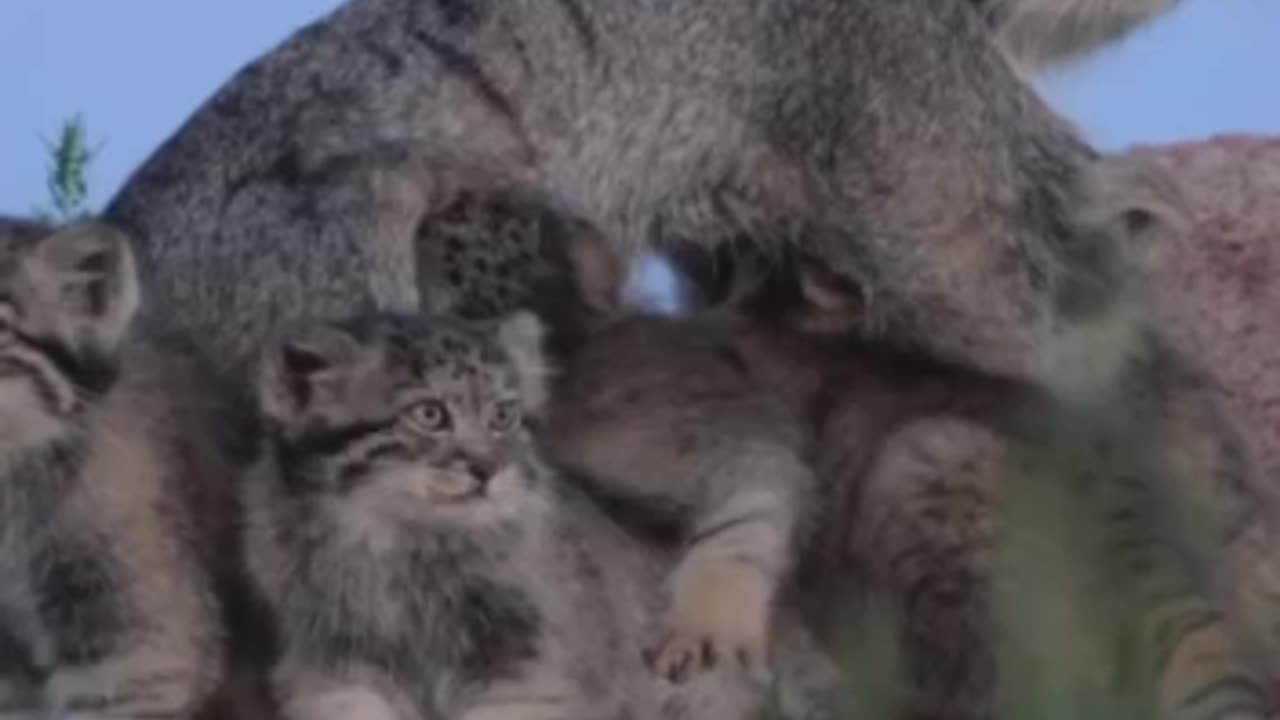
{"x":138,"y":68}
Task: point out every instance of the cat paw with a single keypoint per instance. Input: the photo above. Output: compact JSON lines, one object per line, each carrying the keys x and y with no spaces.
{"x":719,"y":614}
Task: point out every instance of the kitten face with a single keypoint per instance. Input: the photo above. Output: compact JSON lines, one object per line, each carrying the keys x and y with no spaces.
{"x":66,"y":301}
{"x":406,"y":418}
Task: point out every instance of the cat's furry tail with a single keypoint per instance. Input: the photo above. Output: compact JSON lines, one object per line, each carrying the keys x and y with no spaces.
{"x":1039,"y":33}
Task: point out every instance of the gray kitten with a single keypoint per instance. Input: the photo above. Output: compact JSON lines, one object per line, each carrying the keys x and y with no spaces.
{"x":114,"y":491}
{"x":422,"y":560}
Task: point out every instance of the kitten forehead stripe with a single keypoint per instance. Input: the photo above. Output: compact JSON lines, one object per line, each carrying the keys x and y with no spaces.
{"x":333,"y":440}
{"x":87,"y":370}
{"x":52,"y":385}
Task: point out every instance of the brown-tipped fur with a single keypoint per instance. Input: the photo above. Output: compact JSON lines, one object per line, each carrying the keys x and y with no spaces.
{"x":116,"y":498}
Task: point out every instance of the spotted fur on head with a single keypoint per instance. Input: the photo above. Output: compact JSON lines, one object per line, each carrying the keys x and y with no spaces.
{"x":489,"y":254}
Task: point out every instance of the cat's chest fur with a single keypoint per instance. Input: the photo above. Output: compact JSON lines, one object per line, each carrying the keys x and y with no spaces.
{"x":33,"y":527}
{"x":424,"y":602}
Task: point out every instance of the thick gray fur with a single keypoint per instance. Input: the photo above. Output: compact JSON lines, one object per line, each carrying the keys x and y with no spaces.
{"x":894,"y":142}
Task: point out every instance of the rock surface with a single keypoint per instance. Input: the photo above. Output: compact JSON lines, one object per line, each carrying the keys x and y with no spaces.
{"x":1218,"y":288}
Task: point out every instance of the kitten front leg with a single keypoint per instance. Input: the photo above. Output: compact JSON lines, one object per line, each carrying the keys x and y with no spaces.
{"x":686,"y":437}
{"x":738,"y":552}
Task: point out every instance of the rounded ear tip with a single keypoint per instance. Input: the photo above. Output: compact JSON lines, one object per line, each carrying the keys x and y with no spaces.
{"x":292,"y":362}
{"x":88,"y":245}
{"x":301,"y":343}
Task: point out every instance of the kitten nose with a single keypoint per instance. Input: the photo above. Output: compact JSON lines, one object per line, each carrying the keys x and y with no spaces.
{"x":481,"y":469}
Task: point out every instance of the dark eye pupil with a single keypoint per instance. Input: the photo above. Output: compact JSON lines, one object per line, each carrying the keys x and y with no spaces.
{"x":504,"y":416}
{"x":431,"y":415}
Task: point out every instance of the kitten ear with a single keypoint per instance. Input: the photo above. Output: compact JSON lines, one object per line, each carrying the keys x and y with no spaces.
{"x":90,"y":272}
{"x":521,"y":337}
{"x":601,"y":274}
{"x":310,"y":361}
{"x":833,"y":305}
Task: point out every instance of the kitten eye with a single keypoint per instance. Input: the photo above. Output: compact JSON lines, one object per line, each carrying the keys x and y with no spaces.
{"x":429,"y":416}
{"x":505,"y":416}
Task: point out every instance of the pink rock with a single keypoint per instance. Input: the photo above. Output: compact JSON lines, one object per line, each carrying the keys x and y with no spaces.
{"x":1218,"y":290}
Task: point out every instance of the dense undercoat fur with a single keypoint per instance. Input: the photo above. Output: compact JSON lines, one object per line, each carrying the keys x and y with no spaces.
{"x":423,"y":562}
{"x":114,"y":492}
{"x":893,"y":142}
